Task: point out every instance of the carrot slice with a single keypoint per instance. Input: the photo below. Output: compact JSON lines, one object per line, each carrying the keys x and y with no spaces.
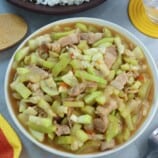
{"x":140,"y":77}
{"x":63,"y":84}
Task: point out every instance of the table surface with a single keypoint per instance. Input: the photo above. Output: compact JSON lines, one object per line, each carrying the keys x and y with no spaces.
{"x":112,"y":10}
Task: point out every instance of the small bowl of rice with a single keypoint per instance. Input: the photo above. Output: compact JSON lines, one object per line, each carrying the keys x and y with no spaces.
{"x":58,"y":2}
{"x":57,"y":7}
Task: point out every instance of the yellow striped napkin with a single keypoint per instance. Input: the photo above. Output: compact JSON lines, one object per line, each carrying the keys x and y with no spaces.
{"x":10,"y":145}
{"x":140,"y":20}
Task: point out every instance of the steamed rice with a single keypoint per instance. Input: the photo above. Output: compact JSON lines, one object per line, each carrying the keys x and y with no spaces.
{"x":59,"y":2}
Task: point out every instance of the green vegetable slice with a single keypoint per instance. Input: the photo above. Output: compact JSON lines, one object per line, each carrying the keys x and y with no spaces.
{"x":145,"y":89}
{"x":58,"y":35}
{"x":49,"y":86}
{"x":103,"y":40}
{"x":70,"y":79}
{"x":21,"y":89}
{"x":87,"y":76}
{"x":78,"y":104}
{"x":43,"y":125}
{"x":21,"y":54}
{"x":61,"y":65}
{"x":114,"y":128}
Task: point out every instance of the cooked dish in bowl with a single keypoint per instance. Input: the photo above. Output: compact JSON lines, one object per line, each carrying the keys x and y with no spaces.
{"x":80,"y":87}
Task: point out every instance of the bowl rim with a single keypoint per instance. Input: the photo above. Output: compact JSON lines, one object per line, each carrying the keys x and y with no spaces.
{"x":126,"y":34}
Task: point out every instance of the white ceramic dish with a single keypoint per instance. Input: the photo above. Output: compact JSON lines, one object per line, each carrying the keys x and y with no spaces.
{"x":139,"y":131}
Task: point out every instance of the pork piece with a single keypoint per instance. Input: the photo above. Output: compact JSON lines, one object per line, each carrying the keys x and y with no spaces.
{"x":107,"y":145}
{"x":100,"y":125}
{"x":103,"y":111}
{"x":110,"y":56}
{"x":43,"y":48}
{"x":120,"y":81}
{"x":91,"y":85}
{"x":62,"y":130}
{"x":89,"y":128}
{"x":55,"y":47}
{"x":78,"y":89}
{"x":71,"y":39}
{"x":111,"y":105}
{"x":35,"y":74}
{"x":33,"y":86}
{"x":36,"y":70}
{"x":91,"y":37}
{"x":96,"y":137}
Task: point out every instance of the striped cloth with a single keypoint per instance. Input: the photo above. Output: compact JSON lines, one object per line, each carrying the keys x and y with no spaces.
{"x":140,"y":20}
{"x":10,"y":145}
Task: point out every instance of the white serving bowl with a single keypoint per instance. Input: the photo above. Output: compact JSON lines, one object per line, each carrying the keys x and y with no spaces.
{"x":129,"y":36}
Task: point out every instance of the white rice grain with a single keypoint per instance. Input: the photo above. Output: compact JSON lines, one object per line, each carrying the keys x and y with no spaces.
{"x":60,"y":2}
